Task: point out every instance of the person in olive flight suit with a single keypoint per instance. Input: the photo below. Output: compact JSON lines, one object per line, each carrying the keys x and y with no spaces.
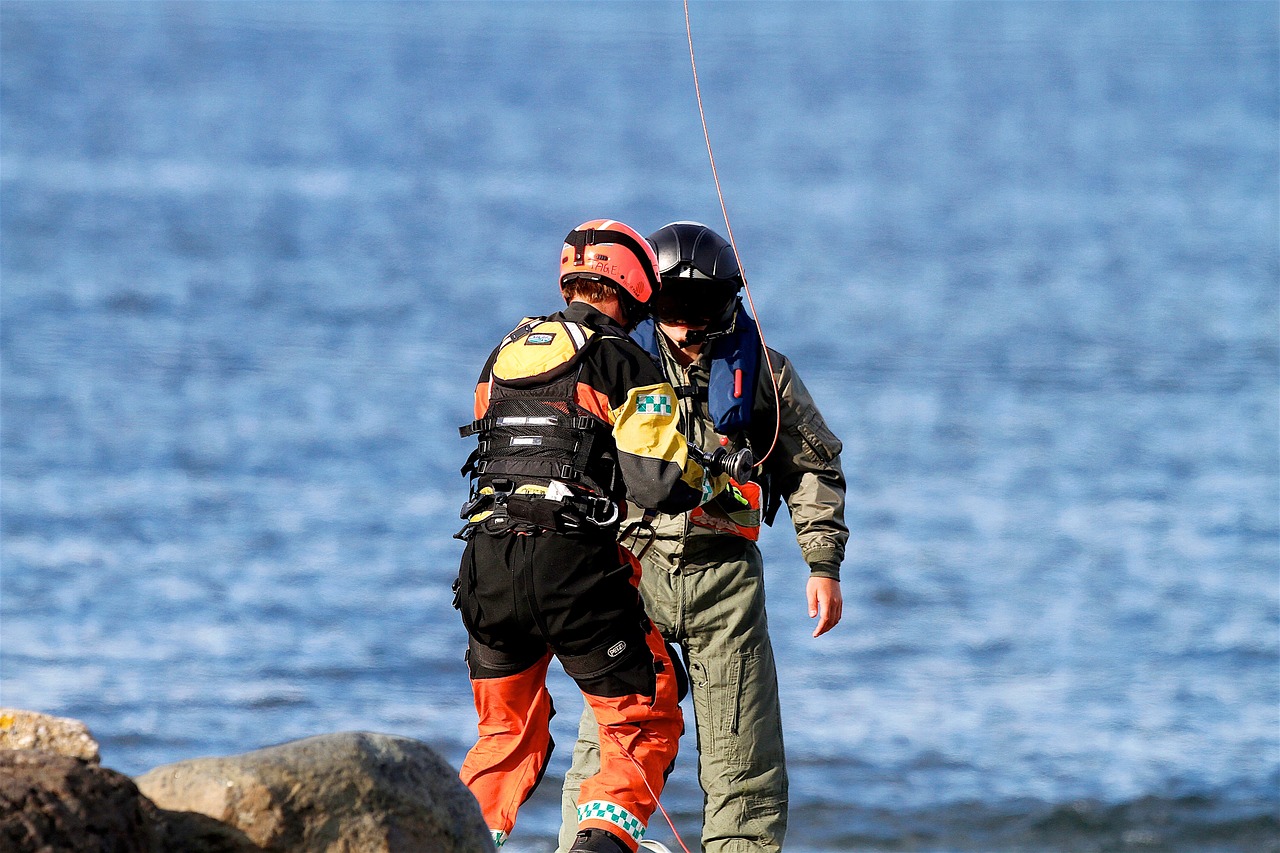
{"x":702,"y":578}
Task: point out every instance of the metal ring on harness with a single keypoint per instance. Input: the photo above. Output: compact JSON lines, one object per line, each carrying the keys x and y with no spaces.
{"x":615,"y":512}
{"x":641,"y":527}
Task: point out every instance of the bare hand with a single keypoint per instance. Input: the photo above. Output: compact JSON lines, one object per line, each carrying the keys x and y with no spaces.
{"x":825,"y":603}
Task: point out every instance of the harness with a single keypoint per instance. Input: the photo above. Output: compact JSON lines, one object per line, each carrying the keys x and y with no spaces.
{"x":731,"y":398}
{"x":541,"y":460}
{"x":735,"y":367}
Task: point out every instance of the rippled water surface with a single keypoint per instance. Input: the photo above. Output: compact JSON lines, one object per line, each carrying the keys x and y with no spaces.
{"x":1023,"y":254}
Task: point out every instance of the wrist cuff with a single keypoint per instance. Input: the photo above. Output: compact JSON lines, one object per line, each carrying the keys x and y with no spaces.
{"x":824,"y":560}
{"x":825,"y":569}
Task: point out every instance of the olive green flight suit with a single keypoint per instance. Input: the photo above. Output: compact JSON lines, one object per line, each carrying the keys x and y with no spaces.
{"x":705,"y":591}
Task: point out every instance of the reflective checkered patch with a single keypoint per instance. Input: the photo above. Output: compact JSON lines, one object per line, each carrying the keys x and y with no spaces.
{"x":615,"y":814}
{"x":499,"y":837}
{"x":653,"y":404}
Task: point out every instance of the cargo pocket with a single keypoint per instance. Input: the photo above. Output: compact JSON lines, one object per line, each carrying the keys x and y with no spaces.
{"x":719,"y":696}
{"x":757,"y":721}
{"x":819,"y":440}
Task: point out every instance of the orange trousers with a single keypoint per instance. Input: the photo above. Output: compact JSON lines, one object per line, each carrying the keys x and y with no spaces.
{"x":639,"y":736}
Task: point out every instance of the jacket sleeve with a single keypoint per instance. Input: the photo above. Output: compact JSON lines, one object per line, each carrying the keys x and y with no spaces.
{"x":805,"y":468}
{"x":653,"y":455}
{"x":484,"y":384}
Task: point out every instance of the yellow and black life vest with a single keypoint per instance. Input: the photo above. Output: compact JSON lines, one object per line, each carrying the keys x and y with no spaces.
{"x":541,"y":458}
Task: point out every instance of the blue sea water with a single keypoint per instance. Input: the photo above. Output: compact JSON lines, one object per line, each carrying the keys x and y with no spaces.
{"x":1024,"y":254}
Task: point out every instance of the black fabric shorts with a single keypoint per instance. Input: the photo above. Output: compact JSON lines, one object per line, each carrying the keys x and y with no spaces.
{"x":520,"y":594}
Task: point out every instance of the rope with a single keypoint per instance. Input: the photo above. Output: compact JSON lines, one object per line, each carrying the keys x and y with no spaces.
{"x":777,"y":427}
{"x":715,"y":175}
{"x":644,"y":778}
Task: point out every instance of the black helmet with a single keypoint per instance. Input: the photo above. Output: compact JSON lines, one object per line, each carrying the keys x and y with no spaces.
{"x":700,"y":274}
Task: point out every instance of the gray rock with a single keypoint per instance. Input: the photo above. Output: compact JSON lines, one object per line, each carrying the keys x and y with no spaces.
{"x":30,"y":730}
{"x":51,"y":803}
{"x":338,"y":793}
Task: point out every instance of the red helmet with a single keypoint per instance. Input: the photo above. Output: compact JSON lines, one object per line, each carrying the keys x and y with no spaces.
{"x":609,"y":250}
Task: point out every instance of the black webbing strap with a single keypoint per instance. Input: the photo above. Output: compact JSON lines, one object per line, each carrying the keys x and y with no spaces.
{"x":467,"y":430}
{"x":532,"y":468}
{"x":685,"y":392}
{"x":520,"y":331}
{"x":582,"y":455}
{"x":582,"y":423}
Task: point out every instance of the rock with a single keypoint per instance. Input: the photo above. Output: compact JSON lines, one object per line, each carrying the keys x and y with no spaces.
{"x":30,"y":730}
{"x":345,"y":792}
{"x":51,"y":802}
{"x":189,"y":832}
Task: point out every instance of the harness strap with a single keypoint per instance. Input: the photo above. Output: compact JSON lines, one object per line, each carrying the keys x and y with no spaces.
{"x":577,"y":422}
{"x":555,"y":507}
{"x":536,"y":468}
{"x":686,"y":392}
{"x":520,"y":331}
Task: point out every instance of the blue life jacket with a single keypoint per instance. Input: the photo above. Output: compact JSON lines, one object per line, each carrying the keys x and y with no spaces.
{"x":735,"y":367}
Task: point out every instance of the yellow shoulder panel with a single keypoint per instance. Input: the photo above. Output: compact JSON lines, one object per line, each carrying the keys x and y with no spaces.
{"x":647,"y":424}
{"x":545,"y":348}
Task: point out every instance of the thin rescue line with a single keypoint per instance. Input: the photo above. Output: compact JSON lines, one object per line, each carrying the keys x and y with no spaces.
{"x":644,"y":779}
{"x":777,"y":426}
{"x":742,"y":270}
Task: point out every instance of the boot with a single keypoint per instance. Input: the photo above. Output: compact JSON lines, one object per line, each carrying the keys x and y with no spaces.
{"x":598,"y":841}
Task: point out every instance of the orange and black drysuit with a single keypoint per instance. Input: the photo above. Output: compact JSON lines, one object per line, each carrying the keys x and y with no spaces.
{"x":573,"y":418}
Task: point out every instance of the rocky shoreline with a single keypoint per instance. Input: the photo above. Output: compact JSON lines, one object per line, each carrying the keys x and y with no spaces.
{"x":347,"y":792}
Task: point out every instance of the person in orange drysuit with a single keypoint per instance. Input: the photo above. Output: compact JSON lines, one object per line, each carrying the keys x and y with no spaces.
{"x":573,"y":418}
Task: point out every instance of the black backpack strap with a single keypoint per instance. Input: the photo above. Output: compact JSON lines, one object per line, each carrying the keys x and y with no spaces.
{"x":526,"y":326}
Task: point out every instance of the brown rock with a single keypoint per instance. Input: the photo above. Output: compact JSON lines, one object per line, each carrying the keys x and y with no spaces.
{"x":51,"y":802}
{"x":189,"y":832}
{"x":30,"y":730}
{"x":337,"y":793}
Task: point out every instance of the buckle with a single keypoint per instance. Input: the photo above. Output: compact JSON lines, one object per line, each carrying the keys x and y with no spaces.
{"x":475,"y":426}
{"x":615,"y":512}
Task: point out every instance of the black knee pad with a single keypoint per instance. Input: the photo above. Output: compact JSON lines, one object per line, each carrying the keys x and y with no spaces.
{"x":621,"y":666}
{"x":486,"y":662}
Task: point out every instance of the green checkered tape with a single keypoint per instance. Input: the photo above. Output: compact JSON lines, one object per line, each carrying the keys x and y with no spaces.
{"x":499,"y":837}
{"x":615,"y":814}
{"x":653,"y":404}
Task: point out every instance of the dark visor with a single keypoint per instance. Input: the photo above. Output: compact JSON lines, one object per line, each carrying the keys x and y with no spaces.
{"x":693,"y":301}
